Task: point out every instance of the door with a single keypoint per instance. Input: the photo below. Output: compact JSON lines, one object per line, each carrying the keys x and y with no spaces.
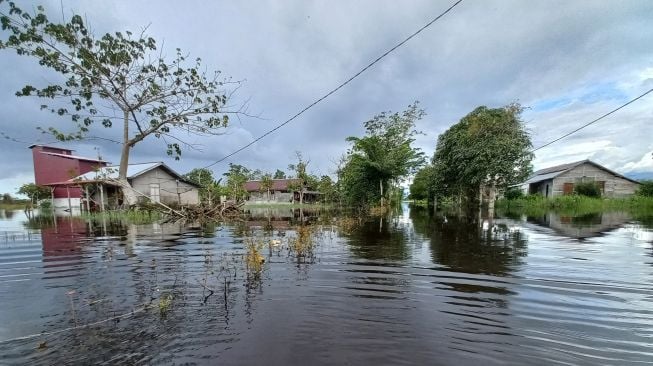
{"x":568,"y":188}
{"x":155,"y":192}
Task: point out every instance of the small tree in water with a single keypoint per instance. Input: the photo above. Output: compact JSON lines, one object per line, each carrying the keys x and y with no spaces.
{"x":384,"y":155}
{"x":153,"y":96}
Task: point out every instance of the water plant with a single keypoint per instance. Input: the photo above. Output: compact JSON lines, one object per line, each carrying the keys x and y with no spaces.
{"x":302,"y":244}
{"x":165,"y":303}
{"x":254,"y":260}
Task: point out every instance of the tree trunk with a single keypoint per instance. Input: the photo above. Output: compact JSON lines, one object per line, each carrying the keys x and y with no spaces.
{"x":301,"y":195}
{"x":381,"y":185}
{"x":127,"y":190}
{"x":492,"y":198}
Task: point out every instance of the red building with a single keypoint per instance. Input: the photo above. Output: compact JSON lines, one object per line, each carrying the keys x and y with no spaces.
{"x":54,"y":165}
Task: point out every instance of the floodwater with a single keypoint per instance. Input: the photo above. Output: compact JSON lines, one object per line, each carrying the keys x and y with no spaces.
{"x":406,"y":289}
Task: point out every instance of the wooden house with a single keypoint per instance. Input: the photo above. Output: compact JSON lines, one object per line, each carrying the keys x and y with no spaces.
{"x":152,"y":182}
{"x":281,"y":191}
{"x":561,"y":179}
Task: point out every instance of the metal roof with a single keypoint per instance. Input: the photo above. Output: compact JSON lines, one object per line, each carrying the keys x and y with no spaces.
{"x":72,"y":156}
{"x":133,"y":171}
{"x":111,"y":172}
{"x":554,"y":171}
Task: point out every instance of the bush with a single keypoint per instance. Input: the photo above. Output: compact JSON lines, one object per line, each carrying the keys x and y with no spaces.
{"x":646,"y":189}
{"x":587,"y":189}
{"x":513,"y":194}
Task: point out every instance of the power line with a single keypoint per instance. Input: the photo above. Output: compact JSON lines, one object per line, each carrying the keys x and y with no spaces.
{"x":338,"y":87}
{"x":595,"y":120}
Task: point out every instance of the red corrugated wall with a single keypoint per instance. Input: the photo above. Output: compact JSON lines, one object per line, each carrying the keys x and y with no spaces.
{"x":52,"y":169}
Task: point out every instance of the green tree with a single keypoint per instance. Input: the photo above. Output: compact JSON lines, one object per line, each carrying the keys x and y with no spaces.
{"x":488,"y":148}
{"x":279,"y":174}
{"x":384,"y":156}
{"x":7,"y":198}
{"x":420,"y":188}
{"x":236,"y":176}
{"x":210,"y":188}
{"x":34,"y":192}
{"x":300,"y":173}
{"x":328,"y":189}
{"x":266,"y":184}
{"x":646,"y":188}
{"x":118,"y":72}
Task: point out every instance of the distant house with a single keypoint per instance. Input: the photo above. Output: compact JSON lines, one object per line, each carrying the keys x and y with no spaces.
{"x":560,"y":180}
{"x":281,"y":191}
{"x":153,"y":182}
{"x":53,"y":165}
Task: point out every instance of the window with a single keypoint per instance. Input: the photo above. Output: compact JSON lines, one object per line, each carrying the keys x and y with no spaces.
{"x":155,"y":192}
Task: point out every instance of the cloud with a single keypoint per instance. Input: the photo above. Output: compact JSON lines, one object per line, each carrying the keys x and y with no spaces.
{"x":569,"y":61}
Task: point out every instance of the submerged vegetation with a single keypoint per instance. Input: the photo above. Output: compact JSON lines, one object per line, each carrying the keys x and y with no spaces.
{"x":575,"y":204}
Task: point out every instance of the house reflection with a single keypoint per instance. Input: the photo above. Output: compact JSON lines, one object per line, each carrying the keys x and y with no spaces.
{"x":582,"y":226}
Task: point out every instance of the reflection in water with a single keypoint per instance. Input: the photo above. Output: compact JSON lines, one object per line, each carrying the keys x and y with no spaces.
{"x":583,"y":226}
{"x":467,"y":246}
{"x":409,"y":288}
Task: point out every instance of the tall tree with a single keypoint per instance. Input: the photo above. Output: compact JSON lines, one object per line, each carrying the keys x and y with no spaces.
{"x":488,"y":148}
{"x":383,"y":156}
{"x":236,"y":176}
{"x":119,"y":79}
{"x":300,"y":169}
{"x":34,"y":192}
{"x":279,"y":174}
{"x":266,"y":184}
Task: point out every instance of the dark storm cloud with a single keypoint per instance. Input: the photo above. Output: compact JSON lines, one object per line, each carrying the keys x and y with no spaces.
{"x":569,"y":61}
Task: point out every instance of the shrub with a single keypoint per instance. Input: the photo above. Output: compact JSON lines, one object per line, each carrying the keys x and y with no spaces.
{"x":587,"y":189}
{"x":646,"y":189}
{"x":513,"y":194}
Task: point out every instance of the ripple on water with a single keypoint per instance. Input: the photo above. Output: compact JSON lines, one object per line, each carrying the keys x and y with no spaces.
{"x":429,"y":293}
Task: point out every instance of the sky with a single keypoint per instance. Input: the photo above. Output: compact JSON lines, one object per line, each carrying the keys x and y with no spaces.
{"x":566,"y":62}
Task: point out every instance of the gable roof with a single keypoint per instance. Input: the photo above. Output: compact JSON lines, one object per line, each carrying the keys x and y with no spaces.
{"x":75,"y":157}
{"x":133,"y":171}
{"x":277,"y":184}
{"x":554,"y":171}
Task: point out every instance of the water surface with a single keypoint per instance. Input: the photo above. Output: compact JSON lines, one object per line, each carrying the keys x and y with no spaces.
{"x":410,"y":288}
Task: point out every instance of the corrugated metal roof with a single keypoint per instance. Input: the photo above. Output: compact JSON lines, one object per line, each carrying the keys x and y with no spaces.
{"x":559,"y":168}
{"x":554,"y":171}
{"x":541,"y":177}
{"x":277,"y":184}
{"x":72,"y":156}
{"x":111,"y":172}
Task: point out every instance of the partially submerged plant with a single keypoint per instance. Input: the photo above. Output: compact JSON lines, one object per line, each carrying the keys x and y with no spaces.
{"x":165,"y":302}
{"x":254,"y":260}
{"x":302,"y":244}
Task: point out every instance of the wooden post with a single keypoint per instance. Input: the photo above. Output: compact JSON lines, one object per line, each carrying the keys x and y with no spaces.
{"x":70,"y":207}
{"x":101,"y":198}
{"x":88,"y":197}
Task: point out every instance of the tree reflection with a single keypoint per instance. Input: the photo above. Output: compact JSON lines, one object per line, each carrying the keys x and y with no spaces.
{"x":466,"y":245}
{"x":379,"y":238}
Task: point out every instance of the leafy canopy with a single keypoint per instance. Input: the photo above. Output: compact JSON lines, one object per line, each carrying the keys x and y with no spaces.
{"x":118,"y":72}
{"x":489,"y":146}
{"x":385,"y":154}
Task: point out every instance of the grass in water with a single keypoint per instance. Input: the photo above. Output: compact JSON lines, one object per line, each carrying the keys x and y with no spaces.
{"x":130,"y":216}
{"x":254,"y":260}
{"x":165,"y":303}
{"x":576,"y":205}
{"x":302,"y":244}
